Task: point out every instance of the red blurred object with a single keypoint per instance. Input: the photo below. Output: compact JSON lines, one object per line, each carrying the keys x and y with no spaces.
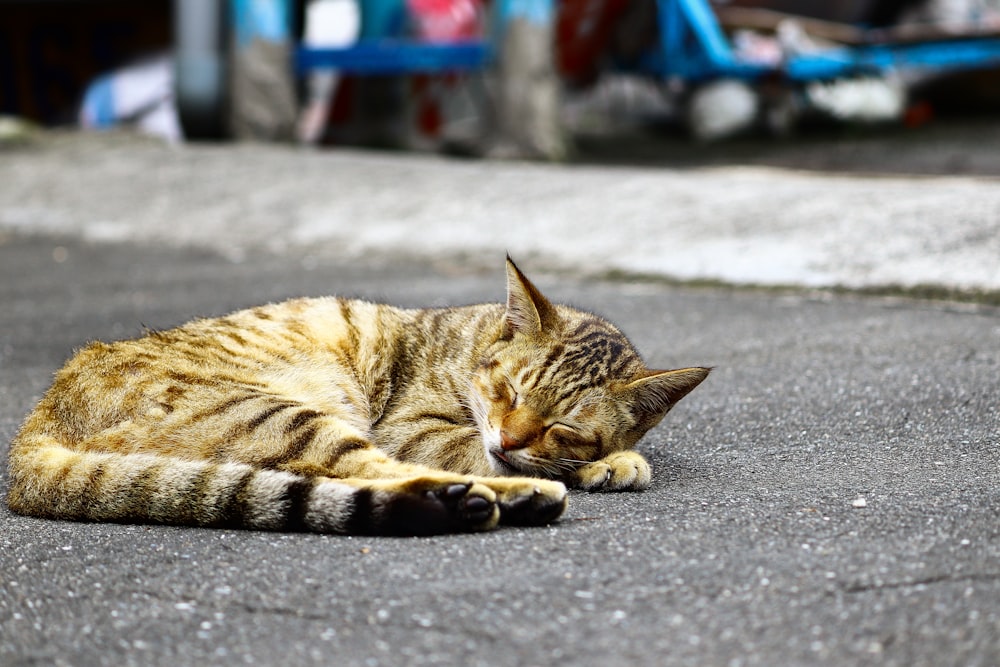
{"x":429,"y":118}
{"x":445,"y":20}
{"x":918,"y":114}
{"x":584,"y":30}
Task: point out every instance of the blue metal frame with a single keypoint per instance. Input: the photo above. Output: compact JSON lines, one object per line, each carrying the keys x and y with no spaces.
{"x":393,"y":56}
{"x":390,"y":55}
{"x":694,"y":47}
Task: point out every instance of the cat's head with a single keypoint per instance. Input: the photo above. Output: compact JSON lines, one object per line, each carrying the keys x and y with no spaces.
{"x":561,"y":387}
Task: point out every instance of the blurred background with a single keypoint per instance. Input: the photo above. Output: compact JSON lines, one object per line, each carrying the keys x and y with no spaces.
{"x":533,"y":78}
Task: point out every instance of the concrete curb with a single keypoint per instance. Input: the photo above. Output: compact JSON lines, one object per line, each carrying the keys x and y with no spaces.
{"x":743,"y":226}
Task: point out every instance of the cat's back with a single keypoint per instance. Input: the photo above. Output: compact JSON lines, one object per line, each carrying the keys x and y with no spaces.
{"x":303,"y":324}
{"x":303,"y":342}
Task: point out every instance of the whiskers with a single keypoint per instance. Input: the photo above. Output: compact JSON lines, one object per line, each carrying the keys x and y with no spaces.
{"x":553,"y":468}
{"x":573,"y":464}
{"x":476,"y":405}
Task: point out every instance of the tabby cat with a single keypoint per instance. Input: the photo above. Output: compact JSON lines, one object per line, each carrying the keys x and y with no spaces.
{"x":343,"y":416}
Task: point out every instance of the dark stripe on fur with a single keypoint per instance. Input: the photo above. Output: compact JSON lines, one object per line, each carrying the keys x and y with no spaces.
{"x":432,"y":415}
{"x":579,"y":329}
{"x":262,"y":417}
{"x":89,"y":489}
{"x":235,"y":337}
{"x":549,"y":366}
{"x":219,"y":408}
{"x":234,"y":506}
{"x":421,"y":439}
{"x":300,"y":419}
{"x":60,"y":477}
{"x":294,"y":449}
{"x":188,"y":378}
{"x":573,"y":390}
{"x":345,"y":447}
{"x":190,"y":509}
{"x":143,"y":485}
{"x":348,"y":317}
{"x":296,"y":497}
{"x":361,"y":521}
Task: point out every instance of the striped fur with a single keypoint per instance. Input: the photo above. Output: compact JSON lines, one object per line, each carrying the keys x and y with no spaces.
{"x":342,"y":416}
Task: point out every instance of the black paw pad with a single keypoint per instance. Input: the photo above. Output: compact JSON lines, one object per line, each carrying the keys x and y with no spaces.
{"x":441,"y":509}
{"x":536,"y":509}
{"x":472,"y":508}
{"x":478,"y":509}
{"x":456,"y":490}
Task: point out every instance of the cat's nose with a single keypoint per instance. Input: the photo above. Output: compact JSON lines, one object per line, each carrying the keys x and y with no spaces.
{"x":508,"y":442}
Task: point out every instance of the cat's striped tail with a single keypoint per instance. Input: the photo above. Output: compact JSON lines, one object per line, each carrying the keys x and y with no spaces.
{"x":48,"y":479}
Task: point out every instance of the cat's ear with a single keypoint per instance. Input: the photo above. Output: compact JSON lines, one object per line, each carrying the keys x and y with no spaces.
{"x":528,"y":312}
{"x":654,"y":393}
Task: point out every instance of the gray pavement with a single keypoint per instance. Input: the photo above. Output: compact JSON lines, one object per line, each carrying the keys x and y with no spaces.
{"x":749,"y":549}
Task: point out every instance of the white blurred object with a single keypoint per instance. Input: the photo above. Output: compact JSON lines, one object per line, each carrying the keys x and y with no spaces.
{"x":756,"y":47}
{"x":868,"y":100}
{"x":14,"y":130}
{"x":141,"y":95}
{"x":616,"y":99}
{"x":795,"y":40}
{"x":789,"y":39}
{"x":332,"y":23}
{"x":721,"y":109}
{"x":955,"y":13}
{"x":329,"y":24}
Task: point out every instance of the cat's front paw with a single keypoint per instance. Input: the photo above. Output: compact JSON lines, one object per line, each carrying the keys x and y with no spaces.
{"x":621,"y":471}
{"x":526,"y":501}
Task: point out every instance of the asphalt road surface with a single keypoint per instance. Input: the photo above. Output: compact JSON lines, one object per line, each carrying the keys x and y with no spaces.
{"x":751,"y":548}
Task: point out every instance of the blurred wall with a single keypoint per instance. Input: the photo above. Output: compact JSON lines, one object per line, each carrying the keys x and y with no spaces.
{"x":51,"y":49}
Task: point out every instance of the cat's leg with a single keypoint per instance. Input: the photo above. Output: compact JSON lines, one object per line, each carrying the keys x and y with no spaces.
{"x":619,"y":471}
{"x":523,"y":501}
{"x":405,"y":499}
{"x":339,"y":450}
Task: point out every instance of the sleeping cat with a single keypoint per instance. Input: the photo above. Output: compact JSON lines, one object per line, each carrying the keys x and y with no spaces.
{"x":343,"y":416}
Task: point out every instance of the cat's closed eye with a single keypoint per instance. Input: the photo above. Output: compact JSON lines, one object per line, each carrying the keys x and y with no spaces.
{"x":566,"y":436}
{"x":512,"y":394}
